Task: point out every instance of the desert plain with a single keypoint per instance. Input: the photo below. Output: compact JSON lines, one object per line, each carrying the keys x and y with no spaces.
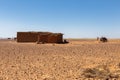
{"x":81,"y":59}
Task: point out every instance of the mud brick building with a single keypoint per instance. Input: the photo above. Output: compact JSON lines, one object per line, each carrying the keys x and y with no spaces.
{"x":46,"y":37}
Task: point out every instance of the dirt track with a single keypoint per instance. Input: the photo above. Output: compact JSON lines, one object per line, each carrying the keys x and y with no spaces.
{"x":30,"y":61}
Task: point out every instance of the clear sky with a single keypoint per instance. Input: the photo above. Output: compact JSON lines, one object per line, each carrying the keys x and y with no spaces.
{"x":73,"y":18}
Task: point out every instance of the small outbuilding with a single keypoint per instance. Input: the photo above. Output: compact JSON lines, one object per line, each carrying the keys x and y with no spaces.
{"x":44,"y":37}
{"x":103,"y":39}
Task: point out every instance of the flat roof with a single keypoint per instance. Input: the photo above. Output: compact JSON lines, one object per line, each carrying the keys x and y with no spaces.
{"x":41,"y":32}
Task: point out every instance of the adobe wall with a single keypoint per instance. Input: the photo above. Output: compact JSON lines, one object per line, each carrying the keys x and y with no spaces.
{"x":52,"y":39}
{"x":59,"y":38}
{"x":43,"y":38}
{"x":38,"y":36}
{"x":27,"y":37}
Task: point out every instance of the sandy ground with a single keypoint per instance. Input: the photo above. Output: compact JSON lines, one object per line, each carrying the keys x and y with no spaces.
{"x":30,"y":61}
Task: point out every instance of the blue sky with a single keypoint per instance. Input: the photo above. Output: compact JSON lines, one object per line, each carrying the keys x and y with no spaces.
{"x":73,"y":18}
